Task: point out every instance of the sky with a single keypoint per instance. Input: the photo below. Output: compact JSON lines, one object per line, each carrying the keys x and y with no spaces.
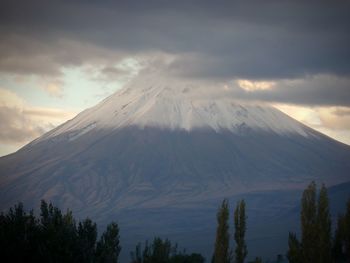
{"x":58,"y":58}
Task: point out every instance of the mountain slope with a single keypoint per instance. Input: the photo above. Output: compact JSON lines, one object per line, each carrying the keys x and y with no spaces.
{"x":150,"y":147}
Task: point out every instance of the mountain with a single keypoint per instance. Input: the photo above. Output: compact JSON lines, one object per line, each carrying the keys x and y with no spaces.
{"x":164,"y":154}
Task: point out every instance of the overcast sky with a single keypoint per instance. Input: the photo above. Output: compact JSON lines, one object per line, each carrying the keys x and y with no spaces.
{"x":60,"y":57}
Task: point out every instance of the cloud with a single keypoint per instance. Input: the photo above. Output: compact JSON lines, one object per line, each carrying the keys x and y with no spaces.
{"x":294,"y":52}
{"x":21,"y":123}
{"x":331,"y":118}
{"x":123,"y":71}
{"x":17,"y":127}
{"x":222,"y":39}
{"x":54,"y":90}
{"x":315,"y":90}
{"x":339,"y":135}
{"x":9,"y":148}
{"x":10,"y":99}
{"x":248,"y":85}
{"x":28,"y":54}
{"x":324,"y":119}
{"x":341,"y":111}
{"x":113,"y":72}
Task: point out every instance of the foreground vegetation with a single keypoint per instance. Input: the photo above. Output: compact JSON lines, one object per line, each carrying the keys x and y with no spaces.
{"x":162,"y":251}
{"x":57,"y":237}
{"x":317,"y":244}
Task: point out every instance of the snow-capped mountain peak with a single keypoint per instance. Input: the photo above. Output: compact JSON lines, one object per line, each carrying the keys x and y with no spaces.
{"x":154,"y":146}
{"x":187,"y":108}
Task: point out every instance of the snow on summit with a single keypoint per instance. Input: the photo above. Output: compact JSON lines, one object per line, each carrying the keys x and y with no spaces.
{"x":153,"y":102}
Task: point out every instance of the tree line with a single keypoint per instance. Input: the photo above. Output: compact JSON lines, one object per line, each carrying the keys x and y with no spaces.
{"x":162,"y":251}
{"x":57,"y":237}
{"x":222,"y":251}
{"x":54,"y":236}
{"x":317,"y":244}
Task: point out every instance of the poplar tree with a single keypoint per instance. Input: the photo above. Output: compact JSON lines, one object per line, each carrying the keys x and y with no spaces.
{"x":309,"y":235}
{"x":324,"y":227}
{"x":294,"y":249}
{"x":338,"y":253}
{"x":347,"y":231}
{"x":240,"y":229}
{"x":222,"y":242}
{"x":258,"y":260}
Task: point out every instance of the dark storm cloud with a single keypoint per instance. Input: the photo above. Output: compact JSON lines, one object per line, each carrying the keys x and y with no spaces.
{"x":27,"y":54}
{"x":216,"y":40}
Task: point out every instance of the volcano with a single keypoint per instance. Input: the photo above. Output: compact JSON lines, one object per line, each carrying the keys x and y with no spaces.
{"x":159,"y":159}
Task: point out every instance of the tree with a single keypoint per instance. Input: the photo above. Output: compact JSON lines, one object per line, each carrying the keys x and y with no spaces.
{"x":162,"y":251}
{"x":341,"y":243}
{"x":294,"y":253}
{"x":136,"y":256}
{"x":324,"y":228}
{"x":279,"y":258}
{"x":316,"y":233}
{"x":108,"y":247}
{"x":338,"y":254}
{"x":240,"y":229}
{"x":18,"y":235}
{"x":87,"y":235}
{"x":347,"y":231}
{"x":258,"y":260}
{"x":309,"y":229}
{"x":183,"y":258}
{"x":58,"y":242}
{"x":221,"y":251}
{"x":54,"y":237}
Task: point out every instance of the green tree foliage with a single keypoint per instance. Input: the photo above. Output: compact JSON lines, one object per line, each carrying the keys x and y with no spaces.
{"x":87,"y":235}
{"x":341,"y":244}
{"x":316,"y":234}
{"x":240,"y":229}
{"x":294,"y":254}
{"x":53,"y":237}
{"x":222,"y":242}
{"x":162,"y":251}
{"x":183,"y":258}
{"x":309,"y":229}
{"x":338,"y":251}
{"x":108,"y":247}
{"x":58,"y":234}
{"x":256,"y":260}
{"x":324,"y":228}
{"x":347,"y":231}
{"x":279,"y":258}
{"x":19,"y":235}
{"x":137,"y":256}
